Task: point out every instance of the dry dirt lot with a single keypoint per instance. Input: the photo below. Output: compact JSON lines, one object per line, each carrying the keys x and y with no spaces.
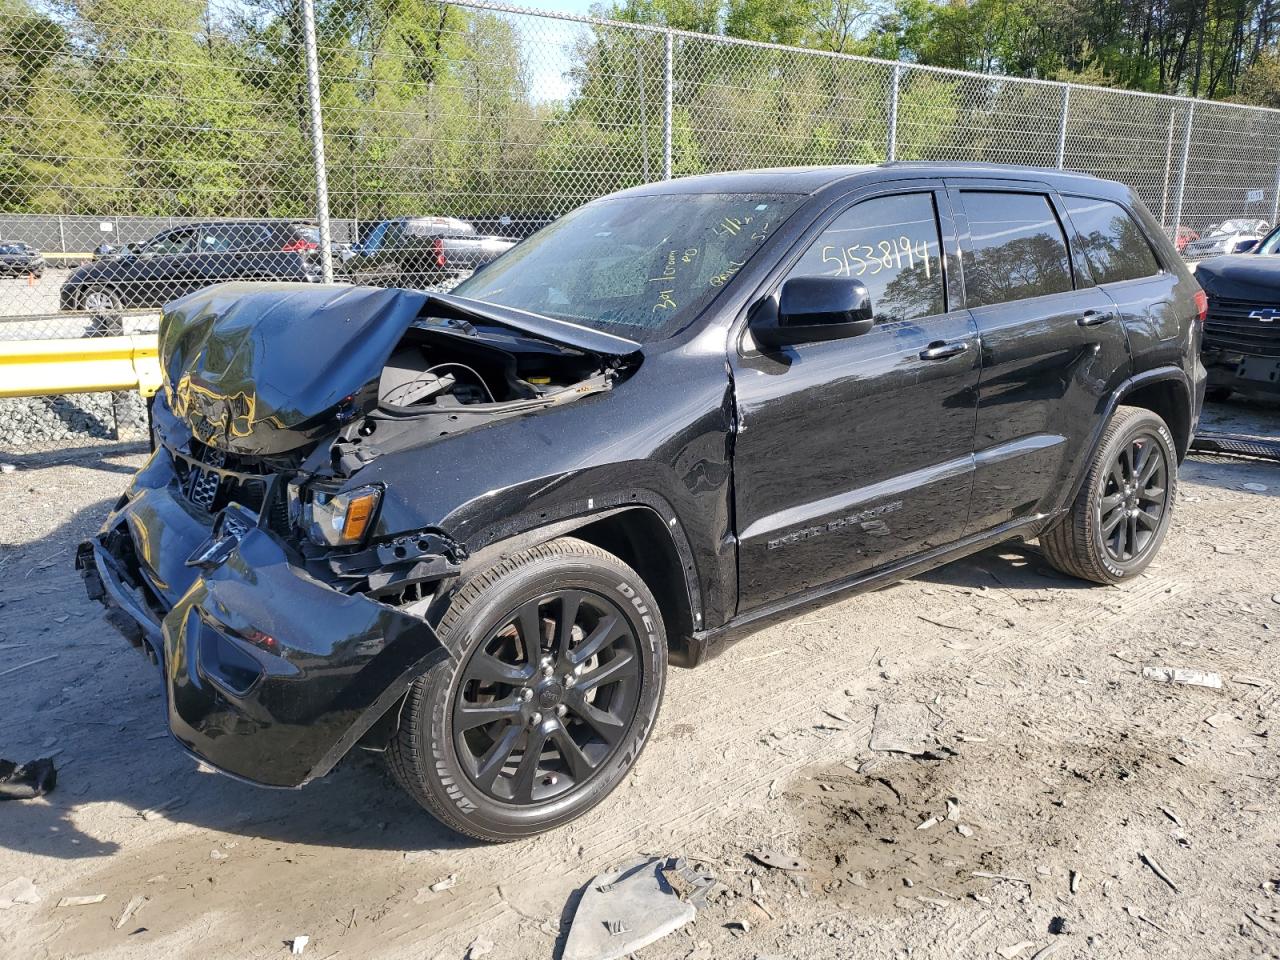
{"x":1067,"y":770}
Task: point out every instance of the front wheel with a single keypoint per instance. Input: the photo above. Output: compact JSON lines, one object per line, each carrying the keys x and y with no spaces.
{"x":560,"y":661}
{"x":1119,"y":519}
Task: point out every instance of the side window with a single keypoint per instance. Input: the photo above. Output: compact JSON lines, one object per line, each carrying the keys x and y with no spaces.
{"x":179,"y":241}
{"x":1017,"y":249}
{"x":217,"y":239}
{"x":1113,"y":244}
{"x":892,"y":245}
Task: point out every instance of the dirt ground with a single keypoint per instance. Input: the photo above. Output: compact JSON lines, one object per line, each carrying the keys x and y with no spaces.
{"x":1070,"y":780}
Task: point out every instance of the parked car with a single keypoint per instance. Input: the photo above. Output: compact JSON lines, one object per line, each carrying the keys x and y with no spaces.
{"x":420,"y":252}
{"x":1242,"y":333}
{"x":472,"y":530}
{"x":1226,"y":237}
{"x":20,"y":260}
{"x":1268,"y":246}
{"x":177,"y":261}
{"x":1182,"y":237}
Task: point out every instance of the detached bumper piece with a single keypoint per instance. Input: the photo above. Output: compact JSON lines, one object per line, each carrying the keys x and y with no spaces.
{"x":270,"y":674}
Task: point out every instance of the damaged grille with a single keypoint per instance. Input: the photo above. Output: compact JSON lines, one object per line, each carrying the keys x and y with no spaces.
{"x":211,"y":479}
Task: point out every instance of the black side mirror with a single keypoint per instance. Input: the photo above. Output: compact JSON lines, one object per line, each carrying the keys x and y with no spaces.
{"x":817,"y":308}
{"x":1245,"y":246}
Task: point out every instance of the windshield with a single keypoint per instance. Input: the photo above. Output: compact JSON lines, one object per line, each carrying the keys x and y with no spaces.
{"x":637,"y":267}
{"x":1270,"y":244}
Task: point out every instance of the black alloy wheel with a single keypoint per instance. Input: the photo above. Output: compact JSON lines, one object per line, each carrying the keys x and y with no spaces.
{"x":545,"y":700}
{"x":1134,"y":498}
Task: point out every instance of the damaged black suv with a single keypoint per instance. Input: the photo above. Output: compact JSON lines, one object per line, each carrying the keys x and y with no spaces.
{"x":473,"y":530}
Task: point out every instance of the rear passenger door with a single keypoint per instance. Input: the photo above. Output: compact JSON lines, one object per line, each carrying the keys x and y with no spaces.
{"x":1122,"y":261}
{"x":1052,"y":346}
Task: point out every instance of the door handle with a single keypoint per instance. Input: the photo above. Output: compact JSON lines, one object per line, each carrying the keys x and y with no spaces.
{"x":1091,"y":318}
{"x":941,"y":350}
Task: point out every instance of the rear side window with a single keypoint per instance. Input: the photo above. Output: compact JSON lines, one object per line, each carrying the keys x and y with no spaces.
{"x":889,"y":243}
{"x":1017,"y":249}
{"x":1113,"y":244}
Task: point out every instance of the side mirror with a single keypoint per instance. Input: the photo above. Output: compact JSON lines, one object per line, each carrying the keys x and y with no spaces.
{"x":1245,"y":246}
{"x":817,"y":308}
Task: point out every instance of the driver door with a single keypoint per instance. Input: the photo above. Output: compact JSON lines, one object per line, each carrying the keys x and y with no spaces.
{"x":856,"y":454}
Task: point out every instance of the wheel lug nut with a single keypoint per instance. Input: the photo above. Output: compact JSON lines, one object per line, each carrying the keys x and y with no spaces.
{"x":526,"y":694}
{"x":568,"y":679}
{"x":535,"y":719}
{"x":548,"y":670}
{"x":561,"y":710}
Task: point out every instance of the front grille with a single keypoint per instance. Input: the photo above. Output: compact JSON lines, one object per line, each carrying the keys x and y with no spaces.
{"x":211,"y":478}
{"x":1230,"y":327}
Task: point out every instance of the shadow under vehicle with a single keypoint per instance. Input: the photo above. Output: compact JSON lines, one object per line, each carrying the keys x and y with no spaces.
{"x":472,"y":530}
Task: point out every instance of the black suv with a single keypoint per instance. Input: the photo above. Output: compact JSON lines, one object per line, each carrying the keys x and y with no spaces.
{"x":192,"y":256}
{"x":472,"y":530}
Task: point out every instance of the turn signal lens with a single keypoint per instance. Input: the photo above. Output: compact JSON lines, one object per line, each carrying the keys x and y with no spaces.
{"x":359,"y":513}
{"x":1202,"y":305}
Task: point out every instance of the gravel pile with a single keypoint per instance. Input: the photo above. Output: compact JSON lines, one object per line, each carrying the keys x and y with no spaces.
{"x":30,"y":424}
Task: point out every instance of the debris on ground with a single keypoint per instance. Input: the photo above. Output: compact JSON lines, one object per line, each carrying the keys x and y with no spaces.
{"x":86,"y":901}
{"x":624,"y":910}
{"x":903,"y":728}
{"x":1016,"y":949}
{"x":690,"y":883}
{"x":24,"y":781}
{"x":130,"y":908}
{"x":447,"y":883}
{"x":156,"y":812}
{"x":479,"y":947}
{"x":20,"y":890}
{"x":779,"y":861}
{"x":1183,"y":675}
{"x":298,"y":944}
{"x":1150,"y":861}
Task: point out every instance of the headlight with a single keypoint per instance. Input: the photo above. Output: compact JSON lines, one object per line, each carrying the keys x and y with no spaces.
{"x":336,"y":519}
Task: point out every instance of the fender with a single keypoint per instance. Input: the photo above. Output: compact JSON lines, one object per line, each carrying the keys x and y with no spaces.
{"x":1137,"y":381}
{"x":523,"y":531}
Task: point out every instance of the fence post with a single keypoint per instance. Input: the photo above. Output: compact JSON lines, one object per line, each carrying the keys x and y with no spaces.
{"x":1275,"y":200}
{"x":1182,"y":172}
{"x":62,"y":239}
{"x":668,"y":83}
{"x":1168,"y":162}
{"x":1062,"y":125}
{"x":891,"y":151}
{"x":317,"y":138}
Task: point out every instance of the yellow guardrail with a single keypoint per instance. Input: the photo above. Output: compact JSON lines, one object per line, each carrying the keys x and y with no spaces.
{"x":36,"y":368}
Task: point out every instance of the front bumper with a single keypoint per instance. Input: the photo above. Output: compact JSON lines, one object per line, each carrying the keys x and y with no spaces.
{"x":1247,"y":373}
{"x":270,"y":674}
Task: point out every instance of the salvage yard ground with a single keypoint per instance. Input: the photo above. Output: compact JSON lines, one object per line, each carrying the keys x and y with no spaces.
{"x":1074,"y":782}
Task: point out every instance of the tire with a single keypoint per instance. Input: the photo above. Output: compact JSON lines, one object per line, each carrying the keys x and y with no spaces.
{"x":105,"y":311}
{"x":477,"y":777}
{"x":1083,"y":543}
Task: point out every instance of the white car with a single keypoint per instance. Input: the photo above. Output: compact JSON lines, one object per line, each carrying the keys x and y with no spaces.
{"x":1226,"y":237}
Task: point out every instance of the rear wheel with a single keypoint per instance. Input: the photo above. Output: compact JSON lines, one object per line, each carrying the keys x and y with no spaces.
{"x":106,"y":312}
{"x":1123,"y":510}
{"x":560,"y":666}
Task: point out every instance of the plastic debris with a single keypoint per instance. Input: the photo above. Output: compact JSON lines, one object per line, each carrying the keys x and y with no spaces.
{"x":24,"y":781}
{"x":779,"y":861}
{"x":298,"y":944}
{"x":1255,"y":487}
{"x":1150,"y":861}
{"x":447,"y":883}
{"x":903,"y":728}
{"x":20,"y":890}
{"x":85,"y":901}
{"x":624,"y":910}
{"x":690,"y":883}
{"x":130,"y":908}
{"x":1184,"y":675}
{"x":479,"y":947}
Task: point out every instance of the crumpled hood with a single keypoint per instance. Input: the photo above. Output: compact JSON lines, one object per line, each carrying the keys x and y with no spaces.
{"x":262,"y":368}
{"x":1243,"y":276}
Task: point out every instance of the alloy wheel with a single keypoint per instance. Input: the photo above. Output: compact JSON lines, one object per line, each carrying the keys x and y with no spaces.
{"x":544,"y":701}
{"x":1134,"y":498}
{"x":98,"y":302}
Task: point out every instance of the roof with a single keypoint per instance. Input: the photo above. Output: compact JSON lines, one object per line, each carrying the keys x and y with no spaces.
{"x":811,"y":180}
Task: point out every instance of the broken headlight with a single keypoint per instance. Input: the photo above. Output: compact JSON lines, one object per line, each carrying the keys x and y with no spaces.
{"x":334,"y":519}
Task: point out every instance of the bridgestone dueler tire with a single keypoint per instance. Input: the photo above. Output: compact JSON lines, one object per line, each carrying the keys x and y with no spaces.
{"x":422,"y":756}
{"x":1074,"y":545}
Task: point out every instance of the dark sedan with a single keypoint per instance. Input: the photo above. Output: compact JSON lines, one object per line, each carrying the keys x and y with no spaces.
{"x":20,"y":260}
{"x":194,"y":255}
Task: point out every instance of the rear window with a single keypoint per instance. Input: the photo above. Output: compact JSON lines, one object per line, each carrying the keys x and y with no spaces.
{"x":1016,"y":250}
{"x":1113,"y":244}
{"x":308,"y":233}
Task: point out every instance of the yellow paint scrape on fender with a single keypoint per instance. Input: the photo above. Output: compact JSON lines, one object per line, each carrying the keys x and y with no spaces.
{"x":34,"y":368}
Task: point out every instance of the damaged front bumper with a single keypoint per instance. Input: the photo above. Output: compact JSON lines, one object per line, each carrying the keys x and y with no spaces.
{"x":270,"y":674}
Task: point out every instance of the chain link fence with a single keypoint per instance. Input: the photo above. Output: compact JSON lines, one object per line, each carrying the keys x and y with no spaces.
{"x":147,"y":150}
